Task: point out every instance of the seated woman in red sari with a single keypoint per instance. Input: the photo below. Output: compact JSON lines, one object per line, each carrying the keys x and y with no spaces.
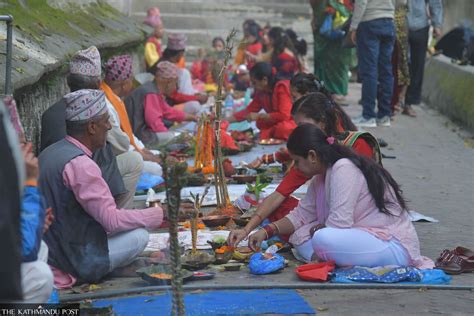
{"x":284,"y":56}
{"x":318,"y":109}
{"x":272,"y":96}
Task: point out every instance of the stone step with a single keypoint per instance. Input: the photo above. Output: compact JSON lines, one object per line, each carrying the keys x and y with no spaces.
{"x":203,"y":20}
{"x":236,"y":7}
{"x":224,"y":20}
{"x":203,"y":38}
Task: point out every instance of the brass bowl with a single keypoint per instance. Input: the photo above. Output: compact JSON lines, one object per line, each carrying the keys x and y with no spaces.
{"x":242,"y":253}
{"x":198,"y":261}
{"x":216,"y":245}
{"x":232,"y":266}
{"x":222,"y":258}
{"x":241,"y":221}
{"x":244,"y":178}
{"x":146,"y":273}
{"x":215,"y":220}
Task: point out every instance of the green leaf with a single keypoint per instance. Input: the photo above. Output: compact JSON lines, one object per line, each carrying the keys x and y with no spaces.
{"x":250,"y":187}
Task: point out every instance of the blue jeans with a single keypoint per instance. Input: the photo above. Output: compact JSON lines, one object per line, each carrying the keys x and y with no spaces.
{"x":375,"y":40}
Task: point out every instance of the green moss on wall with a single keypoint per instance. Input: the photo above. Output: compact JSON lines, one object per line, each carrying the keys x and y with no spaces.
{"x":38,"y":19}
{"x":452,"y":92}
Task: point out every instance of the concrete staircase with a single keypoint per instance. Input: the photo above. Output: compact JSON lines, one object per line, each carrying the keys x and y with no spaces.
{"x":202,"y":20}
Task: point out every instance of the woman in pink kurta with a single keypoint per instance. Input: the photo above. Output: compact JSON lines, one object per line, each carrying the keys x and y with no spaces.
{"x":353,"y":212}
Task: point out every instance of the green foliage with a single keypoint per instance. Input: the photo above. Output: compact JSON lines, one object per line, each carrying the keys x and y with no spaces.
{"x":37,"y":19}
{"x":257,"y":188}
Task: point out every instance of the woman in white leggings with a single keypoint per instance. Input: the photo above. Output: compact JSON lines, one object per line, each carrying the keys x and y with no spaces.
{"x":353,"y":212}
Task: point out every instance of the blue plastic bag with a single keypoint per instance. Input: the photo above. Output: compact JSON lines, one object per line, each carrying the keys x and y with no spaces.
{"x":148,"y":180}
{"x":259,"y":265}
{"x":328,"y":31}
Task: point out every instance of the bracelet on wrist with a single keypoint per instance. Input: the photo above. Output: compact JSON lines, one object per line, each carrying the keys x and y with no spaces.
{"x":269,"y":231}
{"x":276,"y":228}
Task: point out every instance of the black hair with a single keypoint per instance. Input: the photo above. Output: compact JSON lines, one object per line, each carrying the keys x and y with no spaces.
{"x":263,"y":70}
{"x":76,"y":127}
{"x":170,"y":53}
{"x":322,"y":108}
{"x":217,"y":39}
{"x":299,"y":43}
{"x":306,"y":83}
{"x":78,"y":82}
{"x":167,"y":55}
{"x":246,"y":24}
{"x":308,"y":137}
{"x":254,"y":29}
{"x":280,"y":42}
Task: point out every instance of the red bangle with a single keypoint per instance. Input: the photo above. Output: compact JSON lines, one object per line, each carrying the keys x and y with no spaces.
{"x":269,"y":230}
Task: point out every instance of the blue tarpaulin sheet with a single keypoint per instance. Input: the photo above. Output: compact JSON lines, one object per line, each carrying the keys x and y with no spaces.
{"x":148,"y":180}
{"x":247,"y":302}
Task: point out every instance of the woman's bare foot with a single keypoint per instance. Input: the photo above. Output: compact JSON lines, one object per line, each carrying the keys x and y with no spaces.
{"x":408,"y":110}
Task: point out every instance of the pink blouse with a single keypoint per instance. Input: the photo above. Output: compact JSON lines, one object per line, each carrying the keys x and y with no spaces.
{"x":156,"y":109}
{"x":341,"y":199}
{"x":84,"y":178}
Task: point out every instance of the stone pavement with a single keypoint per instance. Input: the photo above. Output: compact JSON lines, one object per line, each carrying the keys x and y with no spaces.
{"x":435,"y":167}
{"x":434,"y":164}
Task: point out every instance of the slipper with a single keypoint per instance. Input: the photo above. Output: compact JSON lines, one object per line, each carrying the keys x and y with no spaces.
{"x":451,"y":263}
{"x":463,"y":252}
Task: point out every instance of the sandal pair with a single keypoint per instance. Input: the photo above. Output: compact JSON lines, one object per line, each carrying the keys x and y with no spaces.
{"x":456,"y":261}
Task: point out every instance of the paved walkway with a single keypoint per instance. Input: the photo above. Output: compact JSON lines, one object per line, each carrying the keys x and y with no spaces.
{"x":435,"y":167}
{"x":434,"y":164}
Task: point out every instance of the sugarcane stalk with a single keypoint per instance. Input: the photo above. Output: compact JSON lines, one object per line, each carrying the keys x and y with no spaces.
{"x":221,"y":188}
{"x":197,"y":203}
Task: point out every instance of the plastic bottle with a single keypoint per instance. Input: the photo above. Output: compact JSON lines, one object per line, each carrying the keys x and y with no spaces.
{"x":248,"y":96}
{"x":228,"y":105}
{"x":229,"y":100}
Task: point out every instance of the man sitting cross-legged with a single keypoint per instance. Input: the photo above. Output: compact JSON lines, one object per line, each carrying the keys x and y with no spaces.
{"x":90,"y":236}
{"x":118,"y":84}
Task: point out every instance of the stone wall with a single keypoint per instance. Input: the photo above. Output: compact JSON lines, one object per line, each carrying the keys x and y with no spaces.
{"x":46,"y":34}
{"x":456,"y":11}
{"x":449,"y":88}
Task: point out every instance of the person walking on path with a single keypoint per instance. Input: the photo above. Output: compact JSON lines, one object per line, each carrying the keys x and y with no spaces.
{"x":401,"y":72}
{"x":331,"y":61}
{"x":372,"y":29}
{"x":419,"y":19}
